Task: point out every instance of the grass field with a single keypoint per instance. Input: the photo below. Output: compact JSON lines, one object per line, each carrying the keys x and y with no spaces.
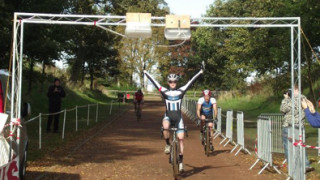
{"x":88,"y":117}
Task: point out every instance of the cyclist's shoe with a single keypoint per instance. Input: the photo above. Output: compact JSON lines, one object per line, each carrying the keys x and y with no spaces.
{"x":181,"y":167}
{"x":211,"y":148}
{"x":167,"y":149}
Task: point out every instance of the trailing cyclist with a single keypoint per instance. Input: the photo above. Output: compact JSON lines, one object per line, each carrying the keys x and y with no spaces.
{"x":138,"y":99}
{"x":173,"y":99}
{"x":207,"y":109}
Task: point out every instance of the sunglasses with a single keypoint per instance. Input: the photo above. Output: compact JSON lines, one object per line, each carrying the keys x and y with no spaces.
{"x":170,"y":82}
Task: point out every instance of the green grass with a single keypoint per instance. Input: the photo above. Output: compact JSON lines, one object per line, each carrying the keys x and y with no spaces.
{"x":75,"y":96}
{"x":252,"y":106}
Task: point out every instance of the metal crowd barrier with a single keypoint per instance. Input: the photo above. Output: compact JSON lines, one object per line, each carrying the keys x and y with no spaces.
{"x":296,"y":155}
{"x":229,"y":128}
{"x":276,"y":129}
{"x":240,"y":134}
{"x":264,"y":143}
{"x":189,"y":107}
{"x":218,"y":130}
{"x":40,"y":116}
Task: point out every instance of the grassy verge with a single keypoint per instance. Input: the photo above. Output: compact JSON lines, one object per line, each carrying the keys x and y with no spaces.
{"x":87,"y":117}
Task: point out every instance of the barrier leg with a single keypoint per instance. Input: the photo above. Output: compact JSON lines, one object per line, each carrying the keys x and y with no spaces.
{"x":40,"y":130}
{"x":234,"y":148}
{"x":227,"y":143}
{"x":254,"y":164}
{"x":223,"y":140}
{"x":76,"y":118}
{"x":64,"y":123}
{"x":263,"y":168}
{"x":238,"y":151}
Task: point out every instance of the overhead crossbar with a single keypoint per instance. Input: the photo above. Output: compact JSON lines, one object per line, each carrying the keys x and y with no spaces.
{"x":112,"y":20}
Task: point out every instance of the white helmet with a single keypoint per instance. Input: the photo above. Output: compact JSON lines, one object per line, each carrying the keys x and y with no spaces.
{"x":173,"y":77}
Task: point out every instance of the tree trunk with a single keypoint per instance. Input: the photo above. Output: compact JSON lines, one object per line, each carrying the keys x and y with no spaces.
{"x":91,"y":77}
{"x":141,"y":80}
{"x":42,"y":75}
{"x":75,"y":70}
{"x":309,"y":76}
{"x":131,"y":79}
{"x":30,"y":75}
{"x":83,"y":74}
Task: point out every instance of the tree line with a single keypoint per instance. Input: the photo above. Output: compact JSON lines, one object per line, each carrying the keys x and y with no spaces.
{"x":231,"y":54}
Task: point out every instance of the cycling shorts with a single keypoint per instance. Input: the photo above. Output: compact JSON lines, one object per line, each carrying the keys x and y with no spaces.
{"x":180,"y":124}
{"x":208,"y":116}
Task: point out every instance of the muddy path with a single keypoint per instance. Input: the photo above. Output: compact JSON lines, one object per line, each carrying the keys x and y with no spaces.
{"x":127,"y":149}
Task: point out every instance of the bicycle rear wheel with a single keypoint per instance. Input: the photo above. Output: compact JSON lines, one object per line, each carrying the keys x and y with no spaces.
{"x":138,"y":113}
{"x":175,"y":159}
{"x":207,"y":143}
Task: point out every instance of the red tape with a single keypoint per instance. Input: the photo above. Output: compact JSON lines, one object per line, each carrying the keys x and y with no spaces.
{"x":300,"y":143}
{"x":94,"y":23}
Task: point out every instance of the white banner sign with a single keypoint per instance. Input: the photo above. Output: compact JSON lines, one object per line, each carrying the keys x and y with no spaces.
{"x":10,"y":171}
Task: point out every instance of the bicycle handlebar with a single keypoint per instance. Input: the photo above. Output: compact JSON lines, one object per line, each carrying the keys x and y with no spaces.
{"x":174,"y":129}
{"x":206,"y":121}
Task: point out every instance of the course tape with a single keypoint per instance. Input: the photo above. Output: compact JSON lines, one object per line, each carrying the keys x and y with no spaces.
{"x":300,"y":143}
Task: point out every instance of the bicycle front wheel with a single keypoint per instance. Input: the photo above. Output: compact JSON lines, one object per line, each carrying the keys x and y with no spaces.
{"x":138,"y":113}
{"x":175,"y":159}
{"x":207,"y":143}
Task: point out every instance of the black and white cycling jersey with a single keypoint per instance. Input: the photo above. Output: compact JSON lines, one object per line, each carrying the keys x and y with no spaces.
{"x":173,"y":97}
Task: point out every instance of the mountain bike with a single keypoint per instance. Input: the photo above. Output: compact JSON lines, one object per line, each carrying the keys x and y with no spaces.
{"x":174,"y":149}
{"x":206,"y":137}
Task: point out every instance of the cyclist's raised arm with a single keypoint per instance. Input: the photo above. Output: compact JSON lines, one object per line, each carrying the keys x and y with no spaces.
{"x":188,"y":85}
{"x":154,"y":82}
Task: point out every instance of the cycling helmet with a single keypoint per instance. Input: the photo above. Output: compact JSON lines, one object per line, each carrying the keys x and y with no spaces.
{"x":206,"y":92}
{"x":173,"y":77}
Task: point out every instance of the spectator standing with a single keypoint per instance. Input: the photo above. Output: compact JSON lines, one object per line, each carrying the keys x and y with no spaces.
{"x":286,"y":108}
{"x":55,"y":93}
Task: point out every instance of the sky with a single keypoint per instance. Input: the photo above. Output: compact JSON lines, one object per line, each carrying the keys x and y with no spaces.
{"x":194,"y":8}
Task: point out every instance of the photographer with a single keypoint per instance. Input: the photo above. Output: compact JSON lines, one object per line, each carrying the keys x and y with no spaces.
{"x":286,"y":108}
{"x":55,"y":93}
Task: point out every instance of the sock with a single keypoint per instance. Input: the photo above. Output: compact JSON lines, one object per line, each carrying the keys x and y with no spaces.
{"x":181,"y":157}
{"x":167,"y":141}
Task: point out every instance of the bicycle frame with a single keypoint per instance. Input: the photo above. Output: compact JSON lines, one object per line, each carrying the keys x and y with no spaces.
{"x":206,"y":135}
{"x":175,"y":146}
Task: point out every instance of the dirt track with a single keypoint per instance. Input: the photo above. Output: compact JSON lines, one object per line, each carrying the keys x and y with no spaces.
{"x":127,"y":149}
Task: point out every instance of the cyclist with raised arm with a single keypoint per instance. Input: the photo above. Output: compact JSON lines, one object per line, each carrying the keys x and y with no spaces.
{"x":207,"y":109}
{"x":173,"y":100}
{"x":138,"y":99}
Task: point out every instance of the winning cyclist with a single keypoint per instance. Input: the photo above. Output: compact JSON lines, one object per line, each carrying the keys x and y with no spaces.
{"x":206,"y":109}
{"x":138,"y":98}
{"x":173,"y":99}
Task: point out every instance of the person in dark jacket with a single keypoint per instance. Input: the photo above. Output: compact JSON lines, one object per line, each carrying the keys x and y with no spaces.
{"x":55,"y":93}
